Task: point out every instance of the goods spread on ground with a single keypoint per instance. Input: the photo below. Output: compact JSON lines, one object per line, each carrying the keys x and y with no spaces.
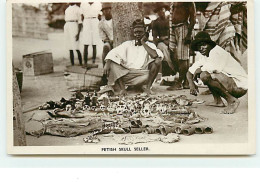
{"x":159,"y":118}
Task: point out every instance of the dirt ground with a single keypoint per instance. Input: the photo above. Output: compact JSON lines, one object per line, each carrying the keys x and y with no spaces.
{"x":39,"y":89}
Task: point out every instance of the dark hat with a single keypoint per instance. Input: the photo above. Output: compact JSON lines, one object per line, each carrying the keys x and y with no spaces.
{"x":106,"y":6}
{"x":201,"y":37}
{"x":138,"y":23}
{"x":160,"y":5}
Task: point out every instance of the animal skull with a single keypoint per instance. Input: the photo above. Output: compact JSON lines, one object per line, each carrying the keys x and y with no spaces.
{"x":161,"y":108}
{"x":78,"y":105}
{"x":86,"y":108}
{"x":126,"y":113}
{"x":102,"y":107}
{"x":120,"y":109}
{"x":93,"y":108}
{"x":146,"y":112}
{"x":153,"y":108}
{"x":68,"y":107}
{"x":132,"y":109}
{"x":110,"y":109}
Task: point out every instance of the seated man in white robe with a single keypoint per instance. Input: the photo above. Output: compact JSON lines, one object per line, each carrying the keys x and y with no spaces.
{"x":217,"y":69}
{"x":134,"y":62}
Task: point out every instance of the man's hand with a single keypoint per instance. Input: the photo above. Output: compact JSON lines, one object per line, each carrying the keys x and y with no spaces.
{"x":111,"y":42}
{"x":166,"y":41}
{"x":187,"y":39}
{"x":196,"y":74}
{"x":144,"y":39}
{"x":77,"y":37}
{"x":194,"y":90}
{"x":108,"y":41}
{"x":107,"y":68}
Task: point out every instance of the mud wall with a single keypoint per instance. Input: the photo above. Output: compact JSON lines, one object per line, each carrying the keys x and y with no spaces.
{"x":29,"y":21}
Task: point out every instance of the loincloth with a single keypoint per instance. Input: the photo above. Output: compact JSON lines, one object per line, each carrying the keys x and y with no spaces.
{"x":177,"y":36}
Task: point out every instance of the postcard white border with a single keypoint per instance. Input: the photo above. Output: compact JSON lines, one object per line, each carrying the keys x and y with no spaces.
{"x":248,"y":148}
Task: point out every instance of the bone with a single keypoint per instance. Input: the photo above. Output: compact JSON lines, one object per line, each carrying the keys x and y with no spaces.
{"x":199,"y":129}
{"x":189,"y":131}
{"x":179,"y":129}
{"x":165,"y":130}
{"x":150,"y":130}
{"x":208,"y":130}
{"x":136,"y":130}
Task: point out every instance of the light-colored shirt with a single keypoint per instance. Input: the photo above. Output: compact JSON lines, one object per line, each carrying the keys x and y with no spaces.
{"x":131,"y":56}
{"x":90,"y":11}
{"x":105,"y":29}
{"x":220,"y":61}
{"x":72,"y":13}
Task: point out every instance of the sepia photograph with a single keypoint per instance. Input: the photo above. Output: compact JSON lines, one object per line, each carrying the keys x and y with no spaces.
{"x":132,"y":78}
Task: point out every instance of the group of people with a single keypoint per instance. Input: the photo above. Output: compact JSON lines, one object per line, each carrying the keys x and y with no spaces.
{"x":137,"y":62}
{"x":85,"y":19}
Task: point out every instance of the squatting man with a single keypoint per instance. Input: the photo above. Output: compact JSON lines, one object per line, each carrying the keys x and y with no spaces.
{"x":217,"y":69}
{"x":134,"y":62}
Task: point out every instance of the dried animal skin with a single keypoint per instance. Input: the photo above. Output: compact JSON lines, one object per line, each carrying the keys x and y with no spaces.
{"x":134,"y":139}
{"x":91,"y":139}
{"x":170,"y":138}
{"x":35,"y":128}
{"x":146,"y":138}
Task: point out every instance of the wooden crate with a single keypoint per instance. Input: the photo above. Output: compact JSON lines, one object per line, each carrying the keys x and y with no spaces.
{"x":37,"y":63}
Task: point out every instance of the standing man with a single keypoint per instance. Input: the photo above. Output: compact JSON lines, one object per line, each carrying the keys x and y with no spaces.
{"x":182,"y":21}
{"x":224,"y":76}
{"x":106,"y":30}
{"x":161,"y":37}
{"x":89,"y":12}
{"x":72,"y":30}
{"x":134,"y":62}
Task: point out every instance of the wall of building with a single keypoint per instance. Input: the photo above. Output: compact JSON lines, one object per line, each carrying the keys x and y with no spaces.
{"x":29,"y":21}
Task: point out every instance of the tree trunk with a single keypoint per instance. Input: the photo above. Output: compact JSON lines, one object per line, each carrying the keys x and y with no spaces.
{"x":124,"y":15}
{"x":18,"y":123}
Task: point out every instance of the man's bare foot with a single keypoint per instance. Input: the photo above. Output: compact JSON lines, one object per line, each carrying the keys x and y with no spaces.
{"x":207,"y":92}
{"x":231,"y":108}
{"x":148,"y":91}
{"x":215,"y":104}
{"x":122,"y":92}
{"x":185,"y":85}
{"x":176,"y":86}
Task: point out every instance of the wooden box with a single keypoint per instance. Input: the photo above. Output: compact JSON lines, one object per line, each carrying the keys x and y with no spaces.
{"x":37,"y":63}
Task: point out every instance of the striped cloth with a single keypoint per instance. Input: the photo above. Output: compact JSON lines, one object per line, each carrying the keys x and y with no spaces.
{"x":239,"y":20}
{"x":176,"y":43}
{"x":177,"y":35}
{"x":244,"y":33}
{"x":218,"y":24}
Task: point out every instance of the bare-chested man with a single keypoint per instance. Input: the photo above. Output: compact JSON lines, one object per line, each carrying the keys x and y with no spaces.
{"x":182,"y":21}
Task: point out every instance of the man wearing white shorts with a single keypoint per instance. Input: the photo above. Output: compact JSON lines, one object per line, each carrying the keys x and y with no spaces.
{"x":71,"y":30}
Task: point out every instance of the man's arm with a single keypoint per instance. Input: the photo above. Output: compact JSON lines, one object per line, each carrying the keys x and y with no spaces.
{"x":102,"y":33}
{"x":193,"y":88}
{"x":155,"y":34}
{"x":192,"y":20}
{"x":107,"y":67}
{"x":79,"y":30}
{"x":79,"y":24}
{"x":149,"y":50}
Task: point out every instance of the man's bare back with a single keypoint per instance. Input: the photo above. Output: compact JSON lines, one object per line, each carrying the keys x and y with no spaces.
{"x":182,"y":12}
